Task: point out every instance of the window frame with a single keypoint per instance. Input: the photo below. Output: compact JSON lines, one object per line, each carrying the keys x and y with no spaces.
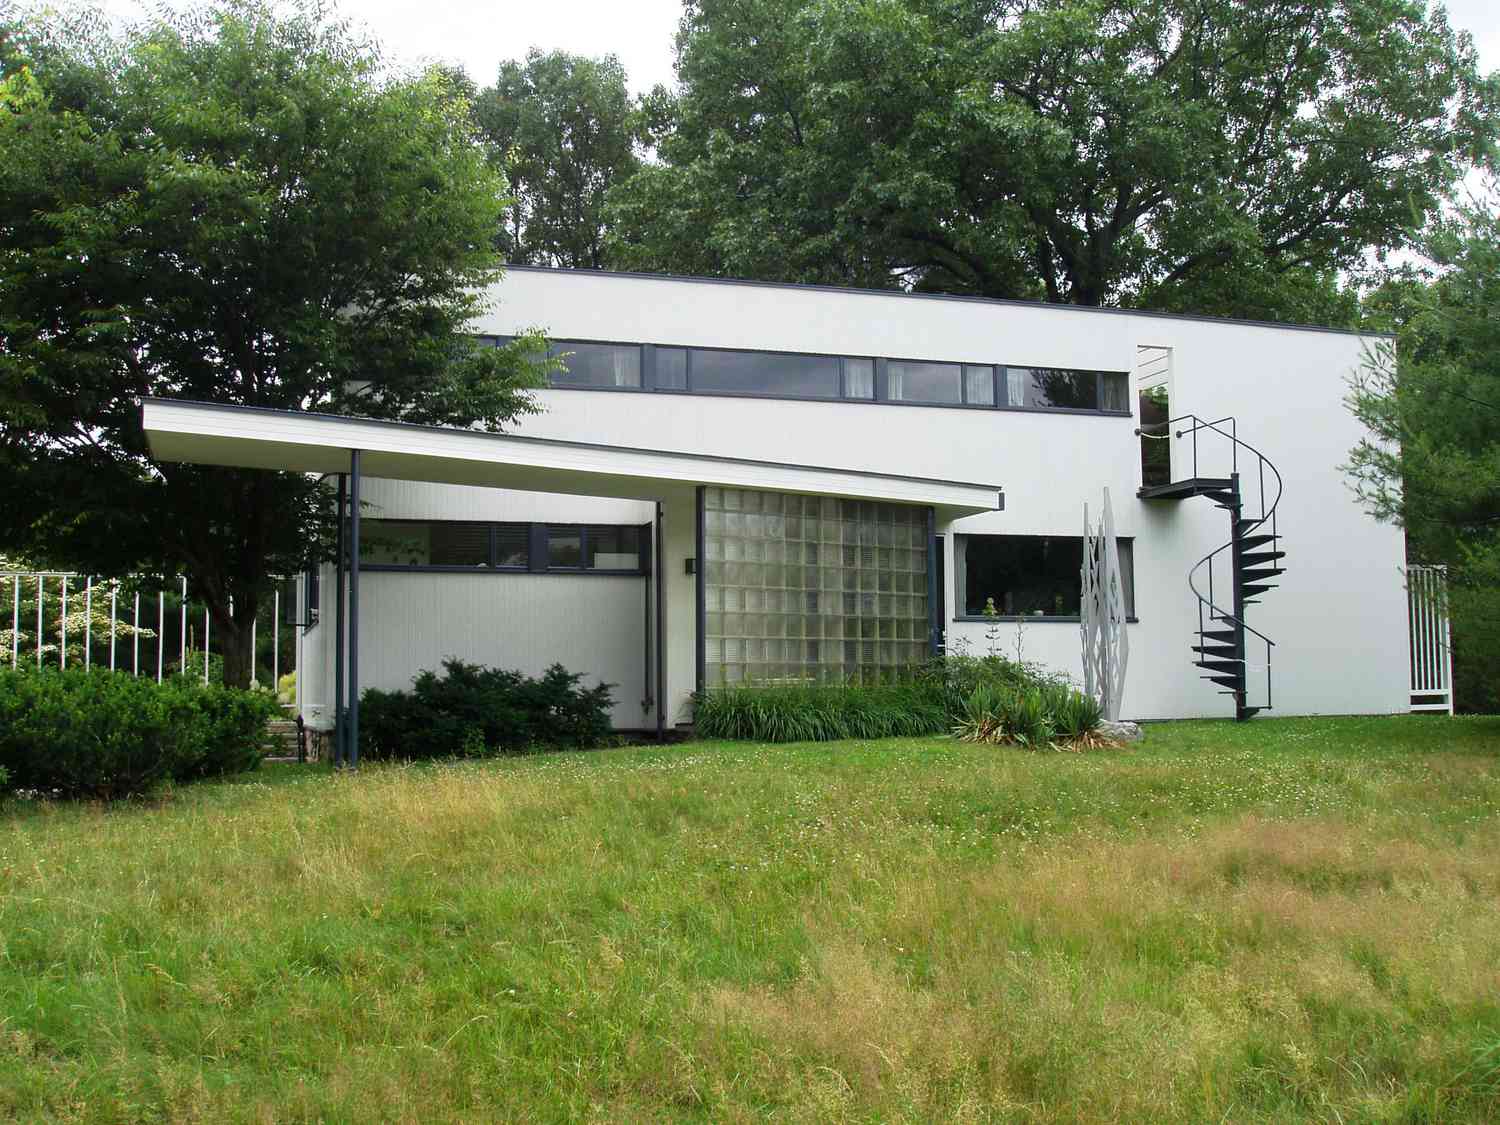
{"x":1126,"y":543}
{"x":537,"y":562}
{"x":649,"y":385}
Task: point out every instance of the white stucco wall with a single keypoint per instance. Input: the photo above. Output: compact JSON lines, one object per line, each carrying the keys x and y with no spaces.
{"x":1338,"y":618}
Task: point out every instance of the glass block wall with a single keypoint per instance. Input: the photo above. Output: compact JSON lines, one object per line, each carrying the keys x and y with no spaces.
{"x":811,"y":588}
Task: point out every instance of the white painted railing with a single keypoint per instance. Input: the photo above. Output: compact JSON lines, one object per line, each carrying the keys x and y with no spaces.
{"x":106,"y":621}
{"x":1431,"y":639}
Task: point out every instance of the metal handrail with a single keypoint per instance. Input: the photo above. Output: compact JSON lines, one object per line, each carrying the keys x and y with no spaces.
{"x":1267,"y":513}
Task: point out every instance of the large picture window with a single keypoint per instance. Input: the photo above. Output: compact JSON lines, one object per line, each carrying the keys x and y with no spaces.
{"x":1029,"y":575}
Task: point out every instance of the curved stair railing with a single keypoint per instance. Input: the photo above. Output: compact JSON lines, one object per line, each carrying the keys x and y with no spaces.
{"x":1252,"y":557}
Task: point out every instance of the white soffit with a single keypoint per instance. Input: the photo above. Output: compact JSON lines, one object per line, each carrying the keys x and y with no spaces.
{"x":296,"y":441}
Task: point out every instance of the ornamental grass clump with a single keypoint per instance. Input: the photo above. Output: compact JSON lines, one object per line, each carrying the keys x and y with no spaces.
{"x":813,"y":712}
{"x":1049,"y":715}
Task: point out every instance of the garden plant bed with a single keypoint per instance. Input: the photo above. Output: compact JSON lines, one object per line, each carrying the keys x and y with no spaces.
{"x":1285,"y":919}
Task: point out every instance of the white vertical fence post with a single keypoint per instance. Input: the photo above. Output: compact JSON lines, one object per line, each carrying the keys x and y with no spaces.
{"x":182,"y":634}
{"x":15,"y":628}
{"x":114,"y":605}
{"x":62,"y":627}
{"x":161,"y":627}
{"x":205,"y":643}
{"x":1430,"y":631}
{"x":40,"y":592}
{"x":88,"y":623}
{"x":275,"y":639}
{"x":135,"y":624}
{"x":253,"y":624}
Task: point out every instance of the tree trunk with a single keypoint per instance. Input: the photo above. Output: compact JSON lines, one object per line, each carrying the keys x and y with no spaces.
{"x":234,"y":635}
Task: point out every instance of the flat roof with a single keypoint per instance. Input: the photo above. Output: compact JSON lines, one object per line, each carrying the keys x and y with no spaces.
{"x":959,"y":297}
{"x":255,"y":437}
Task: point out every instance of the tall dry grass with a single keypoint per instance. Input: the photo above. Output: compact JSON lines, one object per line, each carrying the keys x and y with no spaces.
{"x":1284,"y":921}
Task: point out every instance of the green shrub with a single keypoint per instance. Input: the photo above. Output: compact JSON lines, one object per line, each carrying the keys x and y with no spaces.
{"x":959,"y":675}
{"x":821,"y":712}
{"x":474,"y":711}
{"x":109,"y":735}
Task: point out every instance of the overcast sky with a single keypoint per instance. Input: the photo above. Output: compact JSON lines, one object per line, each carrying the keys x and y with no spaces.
{"x":640,"y":32}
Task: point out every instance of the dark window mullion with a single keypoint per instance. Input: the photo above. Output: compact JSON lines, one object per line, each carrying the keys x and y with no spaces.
{"x":536,"y":560}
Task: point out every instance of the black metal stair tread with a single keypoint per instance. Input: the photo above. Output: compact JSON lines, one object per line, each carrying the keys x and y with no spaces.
{"x":1221,"y":665}
{"x":1225,"y":635}
{"x":1235,"y":682}
{"x":1247,"y":592}
{"x":1248,"y":558}
{"x":1183,"y":489}
{"x":1227,"y":651}
{"x":1260,"y":574}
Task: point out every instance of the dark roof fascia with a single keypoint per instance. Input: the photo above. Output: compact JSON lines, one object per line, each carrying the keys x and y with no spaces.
{"x":959,"y":297}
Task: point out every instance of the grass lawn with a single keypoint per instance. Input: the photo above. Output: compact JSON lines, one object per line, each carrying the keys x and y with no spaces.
{"x":1284,"y":920}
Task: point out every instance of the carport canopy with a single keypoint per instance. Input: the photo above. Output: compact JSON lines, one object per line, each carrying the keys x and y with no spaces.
{"x":296,"y":441}
{"x":249,"y":437}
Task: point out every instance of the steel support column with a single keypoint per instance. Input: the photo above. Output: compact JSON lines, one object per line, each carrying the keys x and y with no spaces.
{"x":353,"y":754}
{"x":338,"y":629}
{"x":659,"y":561}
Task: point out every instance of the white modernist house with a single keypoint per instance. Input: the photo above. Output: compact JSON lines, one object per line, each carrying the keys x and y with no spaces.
{"x":740,"y":482}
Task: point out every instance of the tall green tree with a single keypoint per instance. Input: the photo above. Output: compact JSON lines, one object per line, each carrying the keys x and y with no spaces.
{"x":231,"y":206}
{"x":567,"y":130}
{"x":1431,"y":399}
{"x":1220,"y":156}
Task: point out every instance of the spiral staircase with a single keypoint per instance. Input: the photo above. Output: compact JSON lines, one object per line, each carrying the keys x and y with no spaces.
{"x":1235,"y":575}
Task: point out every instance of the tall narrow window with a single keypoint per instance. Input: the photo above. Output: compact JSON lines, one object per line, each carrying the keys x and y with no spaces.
{"x":671,"y":369}
{"x":1156,"y":437}
{"x":564,"y":547}
{"x":979,"y":385}
{"x":859,"y":378}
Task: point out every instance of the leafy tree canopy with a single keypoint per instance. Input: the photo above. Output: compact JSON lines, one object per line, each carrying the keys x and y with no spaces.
{"x":567,"y":130}
{"x":236,"y":205}
{"x":1218,"y":156}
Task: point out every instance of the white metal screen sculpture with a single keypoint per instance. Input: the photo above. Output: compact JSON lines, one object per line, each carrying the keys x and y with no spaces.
{"x":1106,"y":644}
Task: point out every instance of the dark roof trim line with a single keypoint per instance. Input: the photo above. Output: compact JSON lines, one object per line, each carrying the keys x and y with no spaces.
{"x":1004,"y":302}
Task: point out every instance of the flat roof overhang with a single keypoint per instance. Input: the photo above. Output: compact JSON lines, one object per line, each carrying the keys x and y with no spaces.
{"x":250,"y":437}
